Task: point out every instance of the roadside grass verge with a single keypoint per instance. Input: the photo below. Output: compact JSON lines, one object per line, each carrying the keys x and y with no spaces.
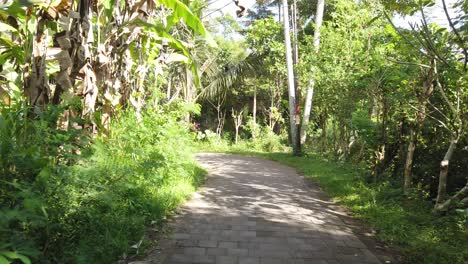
{"x":68,"y":198}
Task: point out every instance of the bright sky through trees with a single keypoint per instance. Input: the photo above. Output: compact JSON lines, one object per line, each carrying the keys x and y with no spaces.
{"x":436,"y":13}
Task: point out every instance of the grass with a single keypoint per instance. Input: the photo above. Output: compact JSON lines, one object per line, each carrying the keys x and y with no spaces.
{"x":406,"y":223}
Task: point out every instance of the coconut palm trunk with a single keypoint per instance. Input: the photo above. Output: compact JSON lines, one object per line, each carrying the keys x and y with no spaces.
{"x":290,"y":70}
{"x":310,"y":90}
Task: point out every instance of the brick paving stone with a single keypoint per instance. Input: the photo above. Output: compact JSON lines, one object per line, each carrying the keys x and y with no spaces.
{"x":183,"y":258}
{"x":180,"y":236}
{"x":195,"y":251}
{"x":186,"y":243}
{"x":247,"y":260}
{"x":309,"y":261}
{"x":238,"y":252}
{"x":208,"y":243}
{"x":226,"y":244}
{"x":272,"y":261}
{"x":247,"y":233}
{"x":216,"y":251}
{"x":249,"y":245}
{"x":253,"y":211}
{"x":226,"y":260}
{"x":203,"y":259}
{"x":270,"y":253}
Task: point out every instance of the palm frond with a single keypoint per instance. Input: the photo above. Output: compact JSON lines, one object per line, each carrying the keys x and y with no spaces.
{"x":222,"y":78}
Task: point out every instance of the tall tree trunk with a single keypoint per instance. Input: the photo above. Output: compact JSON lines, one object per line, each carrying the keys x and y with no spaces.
{"x":189,"y":90}
{"x":409,"y":159}
{"x":414,"y":132}
{"x":381,"y":153}
{"x":83,"y":35}
{"x":291,"y":89}
{"x":444,"y":166}
{"x":254,"y":111}
{"x":423,"y":97}
{"x":37,"y":88}
{"x":310,"y":90}
{"x":64,"y":87}
{"x":296,"y":75}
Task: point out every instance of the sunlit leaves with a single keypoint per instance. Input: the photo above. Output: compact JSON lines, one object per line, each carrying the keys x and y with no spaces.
{"x":7,"y":257}
{"x":176,"y":57}
{"x":406,"y":7}
{"x":182,"y":11}
{"x":5,"y":27}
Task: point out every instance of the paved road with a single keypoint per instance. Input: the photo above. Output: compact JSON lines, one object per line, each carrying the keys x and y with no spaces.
{"x":257,"y":211}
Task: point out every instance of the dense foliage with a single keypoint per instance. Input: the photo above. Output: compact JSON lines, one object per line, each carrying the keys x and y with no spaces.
{"x":101,"y":100}
{"x":67,"y":201}
{"x":89,"y":156}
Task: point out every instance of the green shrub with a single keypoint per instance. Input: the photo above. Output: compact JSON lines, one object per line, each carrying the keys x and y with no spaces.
{"x":265,"y":141}
{"x":268,"y":141}
{"x":91,"y":208}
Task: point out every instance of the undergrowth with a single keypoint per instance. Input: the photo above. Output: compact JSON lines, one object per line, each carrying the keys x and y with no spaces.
{"x":66,"y":198}
{"x":265,"y":141}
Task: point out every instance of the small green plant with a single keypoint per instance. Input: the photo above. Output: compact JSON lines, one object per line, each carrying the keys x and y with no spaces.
{"x":7,"y":257}
{"x":268,"y":141}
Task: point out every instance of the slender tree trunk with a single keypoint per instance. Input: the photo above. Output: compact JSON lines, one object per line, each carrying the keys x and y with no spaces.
{"x":380,"y":153}
{"x":296,"y":75}
{"x":310,"y":90}
{"x":423,"y":96}
{"x":254,"y":110}
{"x":189,"y":90}
{"x":444,"y":166}
{"x":220,"y":115}
{"x":237,"y":122}
{"x":291,"y":89}
{"x":409,"y":159}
